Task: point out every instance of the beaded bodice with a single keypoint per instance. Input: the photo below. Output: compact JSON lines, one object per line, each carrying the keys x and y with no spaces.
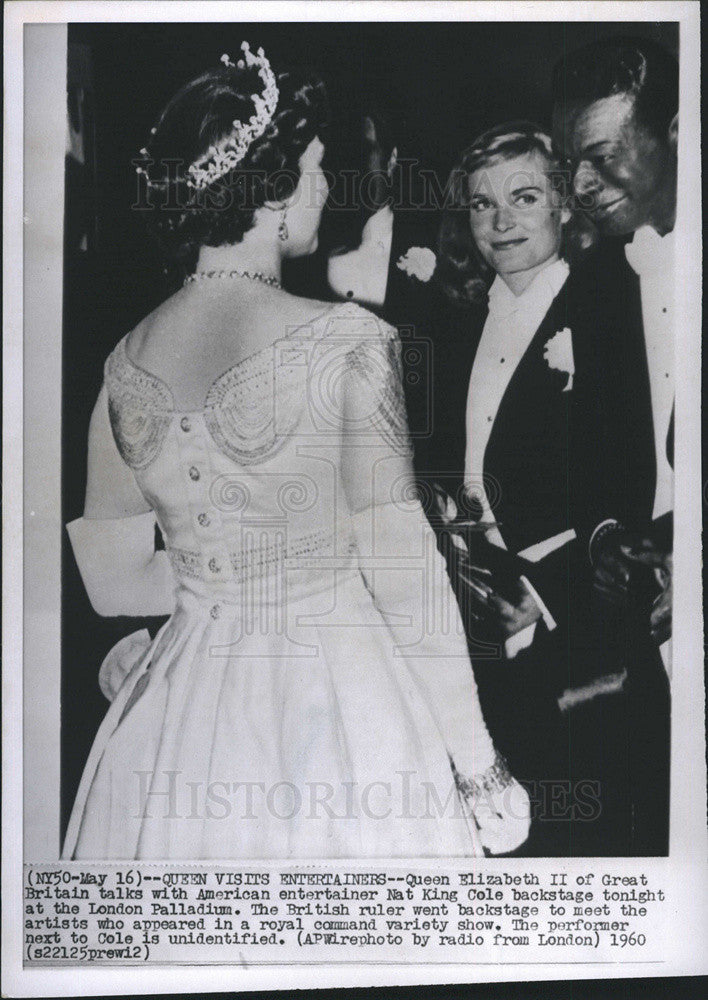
{"x":253,"y":480}
{"x":248,"y":410}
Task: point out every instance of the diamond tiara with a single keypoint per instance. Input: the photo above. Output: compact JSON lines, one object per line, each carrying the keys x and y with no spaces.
{"x":222,"y":157}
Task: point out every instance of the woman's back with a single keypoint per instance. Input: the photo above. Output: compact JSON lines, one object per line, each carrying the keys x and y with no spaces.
{"x":210,"y":327}
{"x":272,"y":455}
{"x":275,"y":494}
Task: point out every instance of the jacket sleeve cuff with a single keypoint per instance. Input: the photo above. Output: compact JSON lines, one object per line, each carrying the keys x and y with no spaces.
{"x":548,"y":619}
{"x":522,"y":640}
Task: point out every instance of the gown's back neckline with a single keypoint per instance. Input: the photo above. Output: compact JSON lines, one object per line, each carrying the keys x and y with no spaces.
{"x":165,"y":392}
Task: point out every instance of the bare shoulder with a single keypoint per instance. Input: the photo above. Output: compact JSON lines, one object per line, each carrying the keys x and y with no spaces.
{"x":298,"y":310}
{"x":357,"y":317}
{"x":206,"y":335}
{"x":154,"y":331}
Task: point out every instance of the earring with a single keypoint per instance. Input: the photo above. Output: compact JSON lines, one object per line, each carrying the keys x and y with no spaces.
{"x":283,"y":233}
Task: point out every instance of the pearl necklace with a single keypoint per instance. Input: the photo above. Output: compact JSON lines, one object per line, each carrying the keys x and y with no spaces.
{"x":267,"y":279}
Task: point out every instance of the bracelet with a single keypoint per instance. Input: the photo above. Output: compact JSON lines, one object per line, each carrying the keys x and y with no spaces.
{"x":495,"y":779}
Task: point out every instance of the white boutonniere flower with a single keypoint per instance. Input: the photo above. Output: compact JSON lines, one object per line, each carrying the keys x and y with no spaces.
{"x":418,"y":262}
{"x":558,"y":353}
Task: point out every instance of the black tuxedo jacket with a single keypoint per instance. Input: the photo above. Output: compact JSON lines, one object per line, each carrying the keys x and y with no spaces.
{"x":561,"y":459}
{"x":556,"y":460}
{"x":620,"y":475}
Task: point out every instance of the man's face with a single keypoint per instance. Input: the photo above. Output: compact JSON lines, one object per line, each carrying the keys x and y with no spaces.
{"x":623,"y":175}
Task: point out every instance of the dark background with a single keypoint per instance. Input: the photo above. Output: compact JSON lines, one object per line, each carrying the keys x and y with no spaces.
{"x":440,"y":83}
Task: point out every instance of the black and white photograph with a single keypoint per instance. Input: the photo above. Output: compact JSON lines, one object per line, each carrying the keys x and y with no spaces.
{"x":361,"y":391}
{"x":255,"y":414}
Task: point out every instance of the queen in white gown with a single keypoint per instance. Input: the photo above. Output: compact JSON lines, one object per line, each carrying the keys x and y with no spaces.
{"x":311,"y":693}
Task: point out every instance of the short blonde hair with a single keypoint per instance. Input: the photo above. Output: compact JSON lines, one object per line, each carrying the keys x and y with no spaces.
{"x":463,"y":274}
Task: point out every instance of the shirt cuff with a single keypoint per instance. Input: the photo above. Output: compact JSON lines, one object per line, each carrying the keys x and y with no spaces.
{"x":604,"y":528}
{"x":522,"y":640}
{"x":548,"y":619}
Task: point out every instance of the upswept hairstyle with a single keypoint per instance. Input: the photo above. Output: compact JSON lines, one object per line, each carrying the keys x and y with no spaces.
{"x":463,"y":274}
{"x":637,"y":67}
{"x":200,"y":115}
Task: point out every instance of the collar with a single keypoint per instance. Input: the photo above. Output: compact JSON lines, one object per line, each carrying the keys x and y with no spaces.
{"x":649,"y":252}
{"x":543,"y":289}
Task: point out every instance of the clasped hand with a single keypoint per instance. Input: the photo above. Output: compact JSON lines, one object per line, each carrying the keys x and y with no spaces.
{"x":509,"y":613}
{"x":619,"y":576}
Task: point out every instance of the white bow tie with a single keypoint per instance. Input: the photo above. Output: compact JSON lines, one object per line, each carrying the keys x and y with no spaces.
{"x":649,"y":252}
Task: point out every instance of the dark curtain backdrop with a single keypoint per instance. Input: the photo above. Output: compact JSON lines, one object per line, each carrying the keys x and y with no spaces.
{"x":440,"y":84}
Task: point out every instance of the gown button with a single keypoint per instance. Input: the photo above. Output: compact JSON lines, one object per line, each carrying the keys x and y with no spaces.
{"x":204,"y":520}
{"x":194,"y":473}
{"x":215,"y":611}
{"x":214,"y":566}
{"x":185,"y":424}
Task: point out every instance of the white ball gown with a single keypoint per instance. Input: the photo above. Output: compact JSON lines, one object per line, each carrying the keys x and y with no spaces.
{"x":311,"y":694}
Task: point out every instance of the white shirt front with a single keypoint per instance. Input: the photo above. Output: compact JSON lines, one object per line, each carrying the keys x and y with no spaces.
{"x":652,"y":257}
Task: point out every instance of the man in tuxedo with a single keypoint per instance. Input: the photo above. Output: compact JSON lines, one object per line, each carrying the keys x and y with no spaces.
{"x":616,"y":120}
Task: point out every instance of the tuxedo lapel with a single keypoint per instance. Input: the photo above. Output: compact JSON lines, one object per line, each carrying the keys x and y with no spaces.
{"x":637,"y":370}
{"x":534,"y":377}
{"x":455,"y":337}
{"x":528,"y":453}
{"x":437,"y":341}
{"x":408,"y":298}
{"x":618,"y":394}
